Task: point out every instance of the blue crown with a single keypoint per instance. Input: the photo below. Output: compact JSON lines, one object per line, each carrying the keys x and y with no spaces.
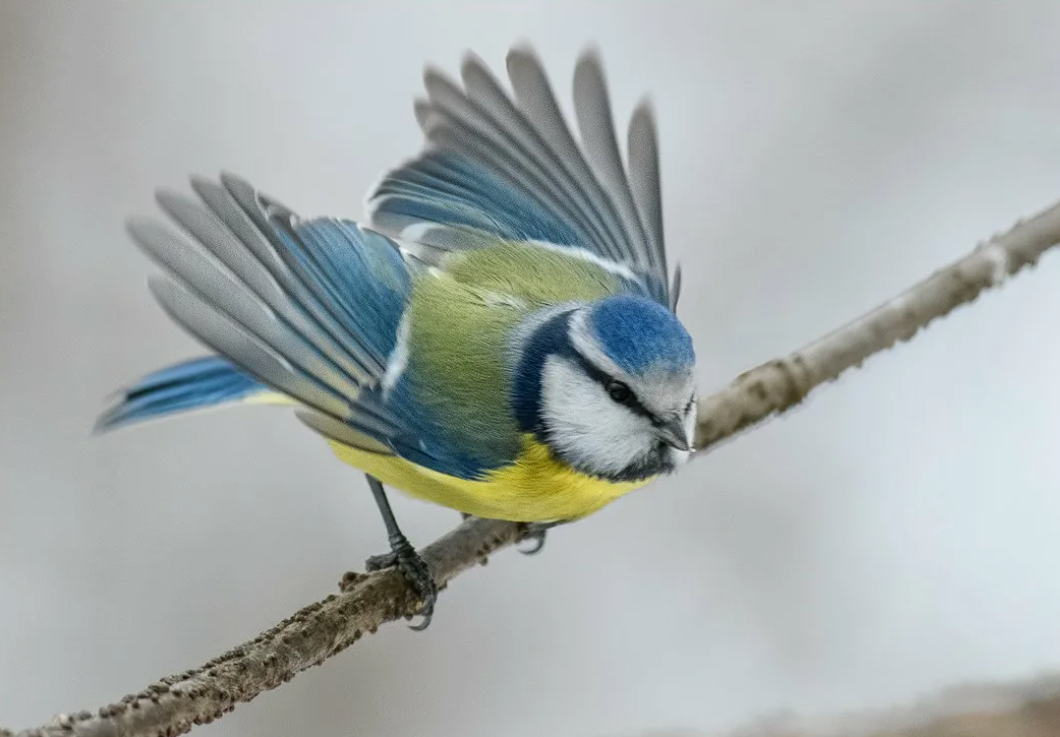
{"x":640,"y":335}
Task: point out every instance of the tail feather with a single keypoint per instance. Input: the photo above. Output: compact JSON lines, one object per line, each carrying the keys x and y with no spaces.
{"x":195,"y":384}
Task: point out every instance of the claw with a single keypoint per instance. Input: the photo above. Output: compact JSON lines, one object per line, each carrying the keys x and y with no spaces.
{"x":536,"y":531}
{"x":537,"y":536}
{"x":415,"y":571}
{"x":405,"y":558}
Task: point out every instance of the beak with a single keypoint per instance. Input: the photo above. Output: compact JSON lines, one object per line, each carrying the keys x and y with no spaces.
{"x":673,"y":433}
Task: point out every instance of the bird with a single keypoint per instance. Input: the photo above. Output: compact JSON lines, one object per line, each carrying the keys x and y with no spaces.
{"x":497,"y":335}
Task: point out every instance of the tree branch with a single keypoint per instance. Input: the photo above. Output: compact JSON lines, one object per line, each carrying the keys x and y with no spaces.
{"x":176,"y":703}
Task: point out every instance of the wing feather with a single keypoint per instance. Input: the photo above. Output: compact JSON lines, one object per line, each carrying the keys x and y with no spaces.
{"x":483,"y":89}
{"x":229,"y":296}
{"x":511,"y":168}
{"x":645,"y":180}
{"x":273,"y":221}
{"x":592,"y":108}
{"x":534,"y":96}
{"x":309,"y":308}
{"x":229,"y":339}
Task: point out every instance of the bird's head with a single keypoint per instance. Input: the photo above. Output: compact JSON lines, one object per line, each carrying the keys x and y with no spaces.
{"x":609,"y":387}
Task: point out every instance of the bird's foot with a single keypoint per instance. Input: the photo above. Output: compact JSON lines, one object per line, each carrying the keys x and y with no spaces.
{"x":535,"y":532}
{"x":405,"y":558}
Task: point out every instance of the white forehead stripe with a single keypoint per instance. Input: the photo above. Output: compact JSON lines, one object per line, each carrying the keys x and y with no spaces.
{"x":582,"y":338}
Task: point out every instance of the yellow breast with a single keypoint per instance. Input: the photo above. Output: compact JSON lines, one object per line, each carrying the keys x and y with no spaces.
{"x":536,"y":488}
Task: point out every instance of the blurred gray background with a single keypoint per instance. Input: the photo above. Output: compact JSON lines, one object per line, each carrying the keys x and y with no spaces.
{"x":896,"y":534}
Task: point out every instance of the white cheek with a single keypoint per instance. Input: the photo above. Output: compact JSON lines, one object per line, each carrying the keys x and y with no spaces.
{"x":587,"y":426}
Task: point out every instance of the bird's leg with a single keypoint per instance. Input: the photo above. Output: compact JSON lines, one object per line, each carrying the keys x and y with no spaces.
{"x":537,"y":531}
{"x":404,"y":556}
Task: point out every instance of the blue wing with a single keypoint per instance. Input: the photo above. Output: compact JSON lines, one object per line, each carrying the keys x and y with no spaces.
{"x":495,"y":166}
{"x":309,"y":308}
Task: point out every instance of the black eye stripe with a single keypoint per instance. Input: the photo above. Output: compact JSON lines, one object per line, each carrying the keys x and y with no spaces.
{"x":604,"y":379}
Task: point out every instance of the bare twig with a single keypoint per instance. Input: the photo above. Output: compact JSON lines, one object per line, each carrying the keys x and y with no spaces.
{"x":176,"y":703}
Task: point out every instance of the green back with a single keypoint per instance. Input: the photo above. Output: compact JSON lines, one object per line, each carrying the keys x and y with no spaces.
{"x":462,"y":320}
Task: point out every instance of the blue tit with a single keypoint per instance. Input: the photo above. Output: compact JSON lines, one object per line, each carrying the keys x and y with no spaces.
{"x":498,"y":337}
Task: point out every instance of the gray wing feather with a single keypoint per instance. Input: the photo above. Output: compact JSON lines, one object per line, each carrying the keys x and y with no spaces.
{"x":483,"y":89}
{"x":235,"y":254}
{"x":485,"y":138}
{"x":225,"y":336}
{"x":230,"y":339}
{"x":421,"y":109}
{"x":341,"y":432}
{"x":218,"y":240}
{"x":645,"y":181}
{"x":675,"y":288}
{"x":230,"y":296}
{"x":256,"y":230}
{"x":592,"y":108}
{"x":199,"y":273}
{"x":535,"y":98}
{"x":229,"y":233}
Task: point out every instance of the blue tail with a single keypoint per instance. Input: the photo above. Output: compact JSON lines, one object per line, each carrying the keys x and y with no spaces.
{"x":195,"y":384}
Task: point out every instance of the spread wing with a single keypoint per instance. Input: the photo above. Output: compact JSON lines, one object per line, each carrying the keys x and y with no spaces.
{"x":310,"y":308}
{"x":497,"y":166}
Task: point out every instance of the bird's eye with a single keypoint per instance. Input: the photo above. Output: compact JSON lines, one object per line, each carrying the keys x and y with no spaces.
{"x":619,"y":392}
